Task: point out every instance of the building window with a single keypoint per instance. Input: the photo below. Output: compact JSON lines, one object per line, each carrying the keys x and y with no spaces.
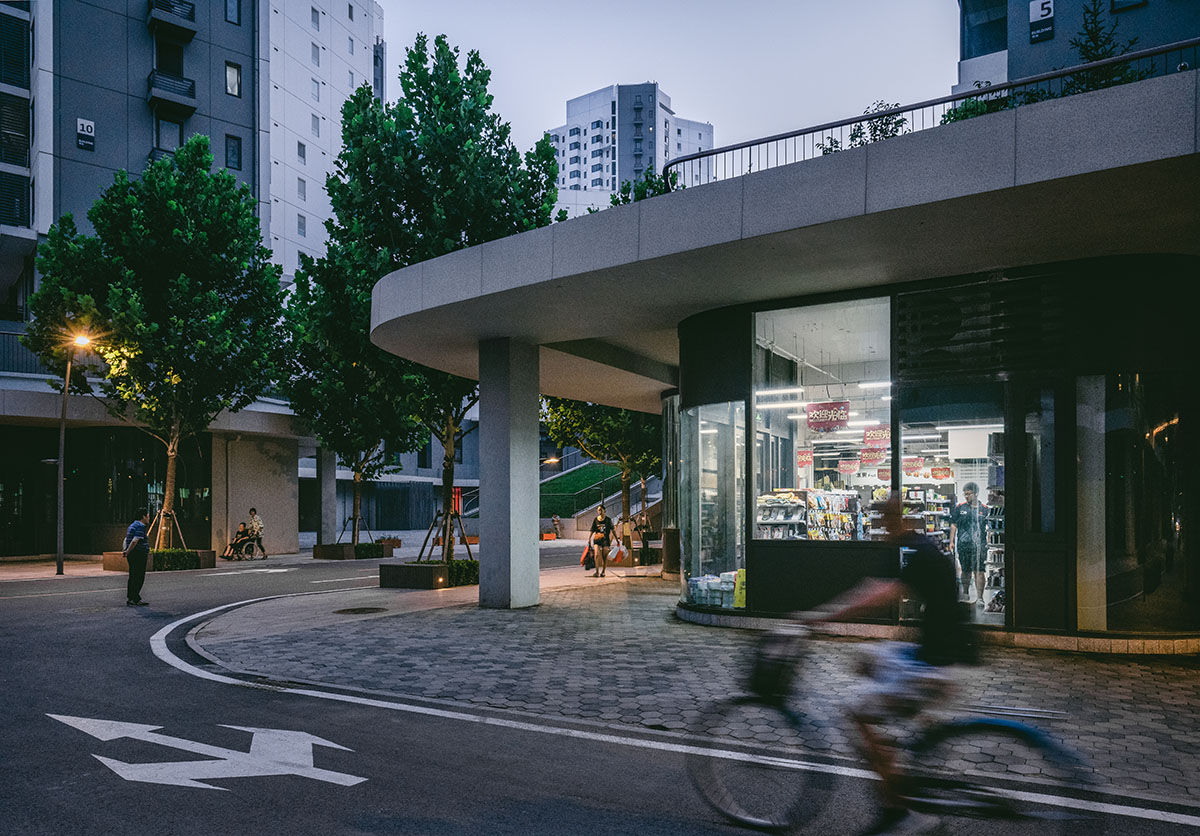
{"x":301,"y":188}
{"x":575,"y":187}
{"x":597,"y":124}
{"x":168,"y":134}
{"x":316,"y":90}
{"x":302,"y":226}
{"x":678,"y":146}
{"x":233,"y":11}
{"x":679,"y":132}
{"x":233,"y":152}
{"x":598,"y":167}
{"x":574,"y":146}
{"x":350,"y":45}
{"x":573,"y":132}
{"x":233,"y":79}
{"x":350,"y":10}
{"x":574,"y":174}
{"x":301,"y":151}
{"x":316,"y":55}
{"x":425,"y":455}
{"x":574,"y":161}
{"x":316,"y":125}
{"x":316,"y":19}
{"x":350,"y":79}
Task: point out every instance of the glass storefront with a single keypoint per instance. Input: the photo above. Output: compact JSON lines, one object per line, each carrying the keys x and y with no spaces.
{"x":1060,"y":493}
{"x":713,"y":502}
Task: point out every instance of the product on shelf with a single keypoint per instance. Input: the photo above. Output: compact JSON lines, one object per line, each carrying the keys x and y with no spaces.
{"x":808,"y":514}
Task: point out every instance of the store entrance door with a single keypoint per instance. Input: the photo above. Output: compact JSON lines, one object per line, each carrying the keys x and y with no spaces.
{"x":1040,"y":556}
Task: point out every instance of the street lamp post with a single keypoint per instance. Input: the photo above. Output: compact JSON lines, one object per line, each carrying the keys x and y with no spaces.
{"x":81,"y":341}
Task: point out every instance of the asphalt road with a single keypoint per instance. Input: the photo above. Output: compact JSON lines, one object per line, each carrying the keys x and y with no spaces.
{"x":71,"y":648}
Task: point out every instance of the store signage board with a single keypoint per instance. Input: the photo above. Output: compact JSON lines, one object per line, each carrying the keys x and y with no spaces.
{"x":877,"y":436}
{"x":848,"y":466}
{"x":833,"y":415}
{"x":85,"y":134}
{"x":804,"y":458}
{"x":873,"y":456}
{"x":1041,"y":21}
{"x":941,"y":472}
{"x":884,"y":474}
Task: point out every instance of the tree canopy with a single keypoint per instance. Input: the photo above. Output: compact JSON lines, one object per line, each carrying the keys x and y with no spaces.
{"x":431,"y":173}
{"x":177,"y":292}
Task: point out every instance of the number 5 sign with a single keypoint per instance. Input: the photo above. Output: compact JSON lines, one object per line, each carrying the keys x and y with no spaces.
{"x":1041,"y":20}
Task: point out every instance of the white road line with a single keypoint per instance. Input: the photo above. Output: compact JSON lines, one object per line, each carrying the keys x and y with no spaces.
{"x":335,"y":580}
{"x":158,"y":645}
{"x":49,"y":594}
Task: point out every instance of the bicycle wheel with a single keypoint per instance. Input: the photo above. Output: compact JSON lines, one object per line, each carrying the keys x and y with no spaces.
{"x":759,"y":791}
{"x":996,"y":770}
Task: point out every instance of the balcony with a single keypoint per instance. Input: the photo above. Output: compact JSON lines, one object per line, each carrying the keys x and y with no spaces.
{"x":14,"y":199}
{"x":173,"y":18}
{"x":15,"y":357}
{"x":171,"y":93}
{"x":157,"y":154}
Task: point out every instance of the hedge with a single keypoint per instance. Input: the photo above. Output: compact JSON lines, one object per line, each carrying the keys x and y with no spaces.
{"x":169,"y":560}
{"x":368,"y":551}
{"x":464,"y":572}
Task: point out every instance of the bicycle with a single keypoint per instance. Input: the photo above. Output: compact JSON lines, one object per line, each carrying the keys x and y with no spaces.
{"x":961,"y":770}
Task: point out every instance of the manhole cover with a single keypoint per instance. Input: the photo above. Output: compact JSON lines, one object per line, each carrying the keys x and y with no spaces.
{"x":360,"y":610}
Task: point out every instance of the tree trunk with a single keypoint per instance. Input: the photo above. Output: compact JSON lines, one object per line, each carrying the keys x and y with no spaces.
{"x":355,"y":514}
{"x":626,"y":507}
{"x":448,"y":439}
{"x":166,"y":522}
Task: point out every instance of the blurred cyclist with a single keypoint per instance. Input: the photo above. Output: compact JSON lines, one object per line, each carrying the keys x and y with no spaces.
{"x":906,"y":677}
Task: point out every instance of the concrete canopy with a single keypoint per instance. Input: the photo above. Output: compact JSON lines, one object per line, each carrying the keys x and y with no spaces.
{"x":1109,"y":172}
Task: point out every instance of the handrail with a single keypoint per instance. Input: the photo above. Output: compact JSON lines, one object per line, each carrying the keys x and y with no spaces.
{"x":172,"y":83}
{"x":901,"y":115}
{"x":179,"y":8}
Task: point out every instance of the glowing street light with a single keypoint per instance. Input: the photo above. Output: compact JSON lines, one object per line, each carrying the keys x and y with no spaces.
{"x":78,"y":341}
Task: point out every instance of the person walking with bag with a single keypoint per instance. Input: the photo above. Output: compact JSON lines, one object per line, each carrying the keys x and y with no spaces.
{"x":136,"y":550}
{"x":601,"y":538}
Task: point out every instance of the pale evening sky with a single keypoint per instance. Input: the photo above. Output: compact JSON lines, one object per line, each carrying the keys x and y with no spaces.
{"x":752,"y":69}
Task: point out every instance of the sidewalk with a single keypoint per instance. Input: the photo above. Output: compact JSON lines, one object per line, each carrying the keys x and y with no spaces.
{"x":611,"y":651}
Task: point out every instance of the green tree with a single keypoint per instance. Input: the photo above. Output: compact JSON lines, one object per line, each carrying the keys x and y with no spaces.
{"x":1097,"y":40}
{"x":870,"y":130}
{"x":631,"y":440}
{"x":432,"y":173}
{"x":178,"y":294}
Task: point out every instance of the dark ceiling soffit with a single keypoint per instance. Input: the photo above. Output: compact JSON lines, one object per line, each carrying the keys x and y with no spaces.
{"x":607,"y":354}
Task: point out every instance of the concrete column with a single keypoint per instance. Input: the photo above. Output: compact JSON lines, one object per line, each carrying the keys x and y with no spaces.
{"x":327,"y":528}
{"x":670,"y":494}
{"x":508,"y":474}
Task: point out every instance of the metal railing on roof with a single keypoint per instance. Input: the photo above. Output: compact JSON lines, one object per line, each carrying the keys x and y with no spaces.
{"x":753,"y":155}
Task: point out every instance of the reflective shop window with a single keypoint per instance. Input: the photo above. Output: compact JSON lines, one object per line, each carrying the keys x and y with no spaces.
{"x":822,"y":420}
{"x":1136,"y":569}
{"x":712,"y":502}
{"x":952,"y":484}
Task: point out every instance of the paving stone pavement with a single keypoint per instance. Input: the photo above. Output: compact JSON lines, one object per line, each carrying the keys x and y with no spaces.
{"x":617,"y":654}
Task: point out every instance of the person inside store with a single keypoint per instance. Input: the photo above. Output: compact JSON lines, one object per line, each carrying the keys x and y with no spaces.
{"x":905,"y":678}
{"x":601,"y":537}
{"x":968,"y":539}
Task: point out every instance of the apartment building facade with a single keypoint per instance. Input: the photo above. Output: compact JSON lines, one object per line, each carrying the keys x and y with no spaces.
{"x":615,"y":134}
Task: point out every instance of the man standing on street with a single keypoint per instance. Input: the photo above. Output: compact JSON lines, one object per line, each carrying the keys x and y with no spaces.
{"x":137,"y":550}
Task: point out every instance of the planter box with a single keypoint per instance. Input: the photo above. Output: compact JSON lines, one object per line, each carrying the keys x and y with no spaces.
{"x":549,"y":536}
{"x":393,"y":542}
{"x":413,"y":576}
{"x":333,"y":551}
{"x":470,"y":538}
{"x":116,"y":562}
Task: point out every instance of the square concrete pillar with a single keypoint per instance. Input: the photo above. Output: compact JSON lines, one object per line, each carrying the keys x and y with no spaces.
{"x":508,"y":474}
{"x":327,"y":527}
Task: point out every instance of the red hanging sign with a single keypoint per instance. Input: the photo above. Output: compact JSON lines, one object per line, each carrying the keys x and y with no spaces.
{"x":823,"y":417}
{"x":912,"y":464}
{"x":848,"y":466}
{"x":877,"y":436}
{"x":873,"y":455}
{"x":804,"y":458}
{"x":941,"y":472}
{"x":884,"y":474}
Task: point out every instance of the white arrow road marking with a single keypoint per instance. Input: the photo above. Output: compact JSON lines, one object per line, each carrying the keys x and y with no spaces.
{"x":272,"y":752}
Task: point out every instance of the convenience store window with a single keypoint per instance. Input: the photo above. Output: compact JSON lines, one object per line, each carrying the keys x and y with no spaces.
{"x":713,"y":501}
{"x":952,"y":483}
{"x":822,"y":418}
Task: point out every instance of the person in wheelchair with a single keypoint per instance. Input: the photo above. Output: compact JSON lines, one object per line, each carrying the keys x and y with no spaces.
{"x":905,"y":678}
{"x":236,"y":547}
